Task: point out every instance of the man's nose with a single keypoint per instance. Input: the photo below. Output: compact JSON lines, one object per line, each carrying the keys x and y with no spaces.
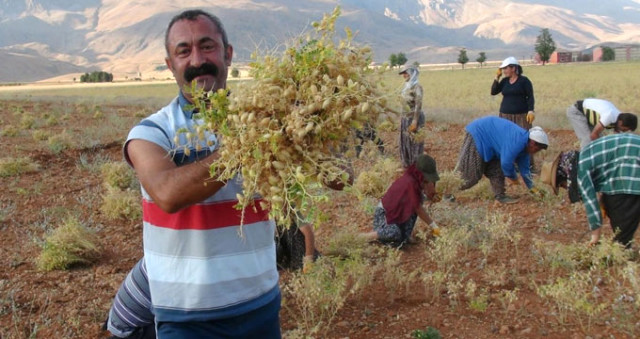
{"x":197,"y":57}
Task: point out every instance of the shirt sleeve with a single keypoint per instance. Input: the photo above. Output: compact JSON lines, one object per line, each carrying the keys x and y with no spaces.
{"x":418,"y":98}
{"x":507,"y":159}
{"x":528,"y":87}
{"x":496,"y":87}
{"x":588,"y":192}
{"x":524,"y":165}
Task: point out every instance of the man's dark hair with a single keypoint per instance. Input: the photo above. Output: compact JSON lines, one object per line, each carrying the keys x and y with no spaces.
{"x":629,"y":120}
{"x":192,"y":15}
{"x":541,"y":145}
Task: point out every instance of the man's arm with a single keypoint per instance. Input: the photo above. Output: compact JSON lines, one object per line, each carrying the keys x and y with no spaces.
{"x":171,"y":187}
{"x":589,"y":196}
{"x":597,"y":130}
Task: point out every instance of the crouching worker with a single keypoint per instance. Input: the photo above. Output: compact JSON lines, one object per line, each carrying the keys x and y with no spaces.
{"x":563,"y":172}
{"x":611,"y":166}
{"x":401,"y":206}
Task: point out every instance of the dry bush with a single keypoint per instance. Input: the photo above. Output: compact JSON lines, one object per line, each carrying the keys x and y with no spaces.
{"x":283,"y":131}
{"x":59,"y":142}
{"x":27,"y":121}
{"x":16,"y":166}
{"x":70,"y":244}
{"x":374,"y":182}
{"x":118,"y":204}
{"x":9,"y":131}
{"x":482,"y":190}
{"x":316,"y":297}
{"x":449,"y":183}
{"x":40,"y":135}
{"x":118,"y":175}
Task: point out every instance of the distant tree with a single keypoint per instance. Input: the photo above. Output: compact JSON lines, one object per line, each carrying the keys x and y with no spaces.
{"x":393,"y":60}
{"x":401,"y":59}
{"x":608,"y":54}
{"x":545,"y":46}
{"x":96,"y":76}
{"x":397,"y":60}
{"x":235,"y":73}
{"x":482,"y":57}
{"x":462,"y":57}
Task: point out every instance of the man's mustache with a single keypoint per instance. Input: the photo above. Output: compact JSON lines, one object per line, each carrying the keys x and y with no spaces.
{"x":205,"y":69}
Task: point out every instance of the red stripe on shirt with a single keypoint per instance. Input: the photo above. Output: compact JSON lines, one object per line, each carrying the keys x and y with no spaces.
{"x":202,"y":216}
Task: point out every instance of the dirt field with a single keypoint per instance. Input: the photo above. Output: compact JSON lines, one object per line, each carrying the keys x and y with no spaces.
{"x":74,"y":303}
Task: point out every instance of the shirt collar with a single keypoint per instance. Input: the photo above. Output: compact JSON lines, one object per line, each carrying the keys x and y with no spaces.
{"x":185,"y":105}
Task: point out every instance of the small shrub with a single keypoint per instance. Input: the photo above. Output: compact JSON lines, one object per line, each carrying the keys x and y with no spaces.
{"x":429,"y":333}
{"x":10,"y":131}
{"x":374,"y":183}
{"x":70,"y":244}
{"x":449,"y":183}
{"x":59,"y":143}
{"x":40,"y":135}
{"x":118,"y":204}
{"x":27,"y":121}
{"x":118,"y":175}
{"x":16,"y":166}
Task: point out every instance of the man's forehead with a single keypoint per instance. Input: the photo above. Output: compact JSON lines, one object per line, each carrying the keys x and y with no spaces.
{"x":187,"y":30}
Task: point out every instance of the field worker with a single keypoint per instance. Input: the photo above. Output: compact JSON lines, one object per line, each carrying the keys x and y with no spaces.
{"x":517,"y":94}
{"x":611,"y":166}
{"x":205,"y":280}
{"x":590,"y":117}
{"x":400,"y":207}
{"x":413,"y":119}
{"x":563,"y":172}
{"x":491,"y":146}
{"x":295,"y":249}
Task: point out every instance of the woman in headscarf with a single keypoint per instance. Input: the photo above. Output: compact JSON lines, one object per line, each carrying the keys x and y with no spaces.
{"x":414,"y":119}
{"x":396,"y":215}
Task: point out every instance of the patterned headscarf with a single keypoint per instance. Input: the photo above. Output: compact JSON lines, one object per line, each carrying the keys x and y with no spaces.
{"x":568,"y":171}
{"x":412,"y":81}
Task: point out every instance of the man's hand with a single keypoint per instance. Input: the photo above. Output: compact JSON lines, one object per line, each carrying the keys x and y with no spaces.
{"x":530,"y":117}
{"x":595,"y":237}
{"x":498,"y":73}
{"x":413,"y":127}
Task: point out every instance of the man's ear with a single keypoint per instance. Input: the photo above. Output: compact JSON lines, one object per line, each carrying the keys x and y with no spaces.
{"x":167,"y":61}
{"x":228,"y":55}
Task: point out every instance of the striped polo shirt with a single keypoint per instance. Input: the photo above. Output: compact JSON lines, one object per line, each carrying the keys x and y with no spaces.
{"x":598,"y":110}
{"x":202,"y":265}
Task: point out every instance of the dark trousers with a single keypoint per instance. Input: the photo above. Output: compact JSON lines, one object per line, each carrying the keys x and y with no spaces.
{"x":624,"y":213}
{"x":263,"y":322}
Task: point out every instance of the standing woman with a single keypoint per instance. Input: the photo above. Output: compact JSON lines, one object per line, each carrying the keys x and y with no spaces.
{"x":413,"y":119}
{"x":517,"y":94}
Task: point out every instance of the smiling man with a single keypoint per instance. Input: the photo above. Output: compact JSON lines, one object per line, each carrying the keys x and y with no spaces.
{"x":206,"y":279}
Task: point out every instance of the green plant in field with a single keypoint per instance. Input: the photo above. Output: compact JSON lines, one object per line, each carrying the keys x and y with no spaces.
{"x":316,"y":297}
{"x":69,"y":244}
{"x":508,"y":297}
{"x":9,"y":131}
{"x":40,"y":135}
{"x":434,"y":282}
{"x":374,"y":182}
{"x":16,"y":166}
{"x":393,"y":275}
{"x":58,"y":143}
{"x":577,"y":294}
{"x":118,"y":175}
{"x":27,"y":121}
{"x":477,"y":302}
{"x":429,"y":333}
{"x":118,"y":204}
{"x":449,"y":183}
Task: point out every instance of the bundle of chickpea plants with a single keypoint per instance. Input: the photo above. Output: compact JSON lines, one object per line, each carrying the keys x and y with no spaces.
{"x":286,"y":131}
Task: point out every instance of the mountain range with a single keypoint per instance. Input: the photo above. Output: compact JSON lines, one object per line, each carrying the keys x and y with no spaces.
{"x":40,"y":39}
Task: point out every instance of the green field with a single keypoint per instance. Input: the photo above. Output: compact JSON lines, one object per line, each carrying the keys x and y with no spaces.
{"x":451,"y":95}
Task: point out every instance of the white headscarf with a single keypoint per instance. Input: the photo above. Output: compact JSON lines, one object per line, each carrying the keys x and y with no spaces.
{"x":412,"y":81}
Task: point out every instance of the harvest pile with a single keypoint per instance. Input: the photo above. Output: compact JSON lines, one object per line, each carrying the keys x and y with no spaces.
{"x":286,"y":131}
